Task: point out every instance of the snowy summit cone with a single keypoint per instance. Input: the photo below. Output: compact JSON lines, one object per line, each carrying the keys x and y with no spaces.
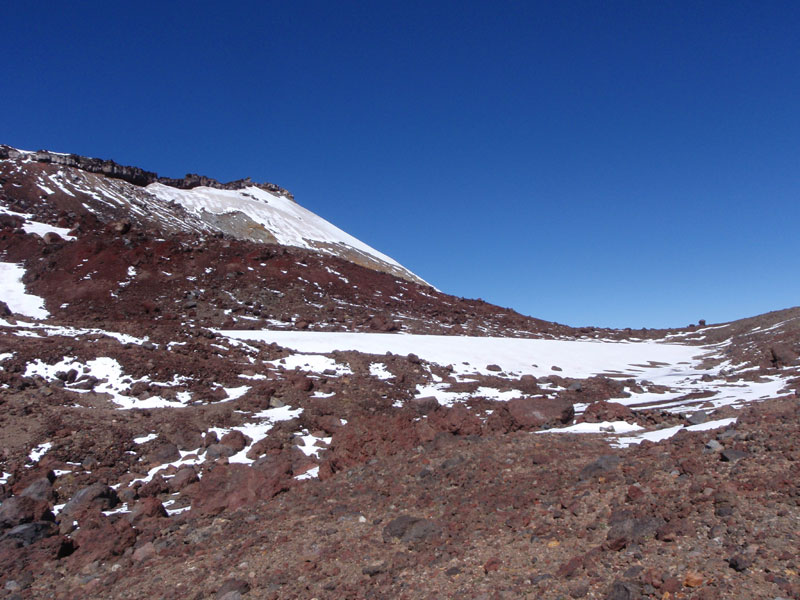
{"x":50,"y":182}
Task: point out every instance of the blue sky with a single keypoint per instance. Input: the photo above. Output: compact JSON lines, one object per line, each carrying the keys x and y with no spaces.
{"x":607,"y":163}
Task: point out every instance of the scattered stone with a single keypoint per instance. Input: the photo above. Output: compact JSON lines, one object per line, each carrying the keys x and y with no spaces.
{"x":740,"y":562}
{"x":165,"y":452}
{"x":17,"y":510}
{"x":29,"y":533}
{"x":697,"y":418}
{"x":144,"y":552}
{"x":491,"y":565}
{"x":623,"y":590}
{"x":601,"y":466}
{"x":624,"y":525}
{"x":156,"y":486}
{"x":146,"y":508}
{"x":425,"y":404}
{"x":600,"y":411}
{"x":693,"y":579}
{"x":99,"y":538}
{"x":215,"y":451}
{"x":233,"y":585}
{"x":731,"y":455}
{"x":185,"y":476}
{"x":569,"y":568}
{"x":410,"y":529}
{"x":373,"y":569}
{"x":531,"y":413}
{"x":41,"y":489}
{"x":233,"y":486}
{"x":235,"y":440}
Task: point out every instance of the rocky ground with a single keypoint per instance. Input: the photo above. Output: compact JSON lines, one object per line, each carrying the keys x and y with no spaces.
{"x":149,"y":448}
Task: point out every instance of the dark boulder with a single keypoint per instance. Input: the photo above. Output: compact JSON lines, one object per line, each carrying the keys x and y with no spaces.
{"x":29,"y":533}
{"x":97,"y":496}
{"x":17,"y":510}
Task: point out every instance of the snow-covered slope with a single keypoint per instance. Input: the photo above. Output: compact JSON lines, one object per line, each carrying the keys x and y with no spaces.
{"x":252,"y":211}
{"x":53,"y":184}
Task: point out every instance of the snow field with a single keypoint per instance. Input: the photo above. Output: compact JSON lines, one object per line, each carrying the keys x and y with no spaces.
{"x":515,"y":356}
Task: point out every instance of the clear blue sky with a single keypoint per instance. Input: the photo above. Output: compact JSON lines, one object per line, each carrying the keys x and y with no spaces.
{"x":608,"y":163}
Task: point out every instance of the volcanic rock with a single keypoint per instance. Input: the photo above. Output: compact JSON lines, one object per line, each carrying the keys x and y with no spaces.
{"x":233,"y":486}
{"x":533,"y":413}
{"x":597,"y":412}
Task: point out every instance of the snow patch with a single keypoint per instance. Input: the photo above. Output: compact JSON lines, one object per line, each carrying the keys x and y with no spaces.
{"x":314,"y":363}
{"x":12,"y":292}
{"x":38,"y":452}
{"x":379,"y":371}
{"x":664,"y":434}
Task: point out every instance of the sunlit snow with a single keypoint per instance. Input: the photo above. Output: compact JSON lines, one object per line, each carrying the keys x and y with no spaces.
{"x":287,"y":221}
{"x":12,"y":292}
{"x":515,"y":356}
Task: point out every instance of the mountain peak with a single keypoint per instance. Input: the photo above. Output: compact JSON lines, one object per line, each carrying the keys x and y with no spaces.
{"x":243,"y":209}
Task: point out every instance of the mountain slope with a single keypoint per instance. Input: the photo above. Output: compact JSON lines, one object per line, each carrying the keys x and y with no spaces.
{"x":72,"y":188}
{"x":189,"y":407}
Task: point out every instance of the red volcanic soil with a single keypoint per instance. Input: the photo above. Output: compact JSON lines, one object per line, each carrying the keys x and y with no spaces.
{"x":222,"y":469}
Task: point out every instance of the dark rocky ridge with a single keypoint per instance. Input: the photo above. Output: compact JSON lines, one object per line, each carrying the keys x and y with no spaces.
{"x":135,"y":175}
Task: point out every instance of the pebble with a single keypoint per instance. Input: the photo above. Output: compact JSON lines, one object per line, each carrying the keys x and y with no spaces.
{"x":692,"y":579}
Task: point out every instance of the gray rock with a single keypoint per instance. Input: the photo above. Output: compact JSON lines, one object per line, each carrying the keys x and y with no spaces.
{"x":23,"y":509}
{"x":623,"y":590}
{"x":425,"y":404}
{"x":235,"y":586}
{"x":602,"y":465}
{"x":697,"y":418}
{"x":215,"y":451}
{"x":410,"y":529}
{"x":731,"y":455}
{"x":97,"y":495}
{"x":714,"y":445}
{"x":28,"y":533}
{"x":41,"y":489}
{"x":164,"y":452}
{"x":632,"y":529}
